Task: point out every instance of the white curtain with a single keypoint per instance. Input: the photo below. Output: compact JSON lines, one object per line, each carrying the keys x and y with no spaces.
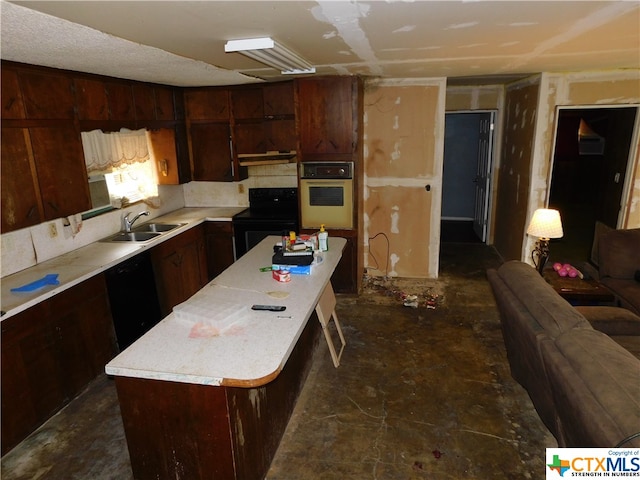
{"x":103,"y":152}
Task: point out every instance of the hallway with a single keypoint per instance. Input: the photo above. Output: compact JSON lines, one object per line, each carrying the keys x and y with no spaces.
{"x":421,"y":393}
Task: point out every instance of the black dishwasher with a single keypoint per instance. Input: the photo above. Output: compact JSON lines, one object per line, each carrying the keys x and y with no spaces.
{"x":133,"y":297}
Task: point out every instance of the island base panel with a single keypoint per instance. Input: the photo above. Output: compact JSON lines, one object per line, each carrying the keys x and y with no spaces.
{"x":181,"y":430}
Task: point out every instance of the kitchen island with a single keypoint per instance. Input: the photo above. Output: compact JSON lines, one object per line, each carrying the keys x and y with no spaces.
{"x":214,"y":402}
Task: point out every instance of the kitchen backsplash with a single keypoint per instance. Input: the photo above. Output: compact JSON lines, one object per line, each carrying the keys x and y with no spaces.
{"x":25,"y":248}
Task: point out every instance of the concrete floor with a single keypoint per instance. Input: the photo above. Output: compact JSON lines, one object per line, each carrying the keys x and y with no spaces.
{"x":421,"y":393}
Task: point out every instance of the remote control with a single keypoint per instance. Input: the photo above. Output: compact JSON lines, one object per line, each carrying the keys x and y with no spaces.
{"x":271,"y":308}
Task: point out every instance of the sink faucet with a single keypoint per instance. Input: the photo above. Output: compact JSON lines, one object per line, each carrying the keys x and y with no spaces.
{"x":129,"y":223}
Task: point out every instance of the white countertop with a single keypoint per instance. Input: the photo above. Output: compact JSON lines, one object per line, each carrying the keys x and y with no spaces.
{"x":79,"y":265}
{"x":254,"y":350}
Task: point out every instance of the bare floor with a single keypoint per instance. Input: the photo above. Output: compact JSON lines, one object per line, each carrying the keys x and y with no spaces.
{"x":421,"y":393}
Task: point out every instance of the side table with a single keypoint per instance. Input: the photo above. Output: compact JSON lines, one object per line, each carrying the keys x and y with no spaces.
{"x":578,"y":291}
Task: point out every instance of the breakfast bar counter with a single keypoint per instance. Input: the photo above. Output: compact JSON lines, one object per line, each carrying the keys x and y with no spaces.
{"x":211,"y":399}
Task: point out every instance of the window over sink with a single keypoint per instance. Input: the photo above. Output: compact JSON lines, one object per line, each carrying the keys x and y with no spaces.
{"x":120,"y":167}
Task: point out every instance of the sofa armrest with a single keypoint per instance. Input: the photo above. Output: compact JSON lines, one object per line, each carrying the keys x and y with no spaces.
{"x":590,"y":271}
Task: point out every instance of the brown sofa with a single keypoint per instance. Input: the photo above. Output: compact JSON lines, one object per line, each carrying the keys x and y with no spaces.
{"x":584,"y":385}
{"x":615,"y":264}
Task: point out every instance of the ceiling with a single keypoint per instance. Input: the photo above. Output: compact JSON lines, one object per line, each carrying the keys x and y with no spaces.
{"x":182,"y":42}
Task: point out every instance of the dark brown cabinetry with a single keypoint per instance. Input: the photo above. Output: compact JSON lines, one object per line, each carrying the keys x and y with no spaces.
{"x":47,"y":95}
{"x":329,"y":110}
{"x":264,"y":118}
{"x":21,"y":203}
{"x":219,"y":241}
{"x":180,"y":267}
{"x":209,"y":131}
{"x":61,"y":170}
{"x":327,"y":118}
{"x":12,"y":105}
{"x":50,"y":352}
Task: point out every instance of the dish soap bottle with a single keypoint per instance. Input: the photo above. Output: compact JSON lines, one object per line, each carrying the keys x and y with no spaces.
{"x":323,"y":239}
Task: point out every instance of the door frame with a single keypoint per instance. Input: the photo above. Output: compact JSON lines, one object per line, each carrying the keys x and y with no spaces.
{"x":627,"y":190}
{"x":489,"y":168}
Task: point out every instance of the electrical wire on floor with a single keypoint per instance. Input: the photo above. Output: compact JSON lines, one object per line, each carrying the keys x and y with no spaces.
{"x":385,"y":286}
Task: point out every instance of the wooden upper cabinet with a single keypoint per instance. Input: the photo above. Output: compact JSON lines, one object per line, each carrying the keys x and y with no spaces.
{"x":91,"y":99}
{"x":326,"y":108}
{"x":21,"y":206}
{"x":121,"y":106}
{"x":12,"y":105}
{"x":145,"y":101}
{"x":62,"y":174}
{"x":247,"y":103}
{"x":211,"y":152}
{"x":278,"y":99}
{"x":47,"y":96}
{"x":162,"y":145}
{"x":207,"y":104}
{"x":165,"y":109}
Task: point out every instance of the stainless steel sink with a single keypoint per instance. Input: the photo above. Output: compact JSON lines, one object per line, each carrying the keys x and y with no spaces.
{"x":132,"y":237}
{"x":157,"y":227}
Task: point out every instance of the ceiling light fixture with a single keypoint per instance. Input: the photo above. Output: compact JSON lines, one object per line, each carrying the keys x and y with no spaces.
{"x":266,"y":50}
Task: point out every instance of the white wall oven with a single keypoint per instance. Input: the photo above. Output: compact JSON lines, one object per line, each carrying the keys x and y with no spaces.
{"x":326,"y":194}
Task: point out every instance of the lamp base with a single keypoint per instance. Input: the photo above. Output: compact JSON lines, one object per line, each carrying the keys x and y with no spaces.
{"x":540,"y":254}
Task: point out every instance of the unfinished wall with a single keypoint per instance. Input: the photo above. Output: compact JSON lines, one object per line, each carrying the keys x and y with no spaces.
{"x":579,"y":89}
{"x":403,"y":147}
{"x":512,"y":197}
{"x":474,"y":97}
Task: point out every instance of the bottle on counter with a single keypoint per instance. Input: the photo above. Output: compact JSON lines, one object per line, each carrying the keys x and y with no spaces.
{"x":323,"y":239}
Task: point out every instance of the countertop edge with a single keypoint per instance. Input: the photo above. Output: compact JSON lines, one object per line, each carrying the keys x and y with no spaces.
{"x":92,"y":271}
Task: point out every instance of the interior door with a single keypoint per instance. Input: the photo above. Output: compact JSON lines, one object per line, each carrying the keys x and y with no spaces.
{"x":485,"y":148}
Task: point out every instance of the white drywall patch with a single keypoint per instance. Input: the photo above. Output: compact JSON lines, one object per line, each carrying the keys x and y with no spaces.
{"x":395,"y":218}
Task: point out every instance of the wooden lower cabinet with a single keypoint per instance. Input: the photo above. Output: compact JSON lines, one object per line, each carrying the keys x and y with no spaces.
{"x":181,"y":430}
{"x":180,"y":268}
{"x":220,"y":253}
{"x":50,"y":352}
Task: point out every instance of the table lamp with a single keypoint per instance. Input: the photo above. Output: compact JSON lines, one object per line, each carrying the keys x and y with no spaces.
{"x":545,"y":224}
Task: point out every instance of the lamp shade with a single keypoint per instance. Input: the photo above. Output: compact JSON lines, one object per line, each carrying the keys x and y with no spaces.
{"x":545,"y":223}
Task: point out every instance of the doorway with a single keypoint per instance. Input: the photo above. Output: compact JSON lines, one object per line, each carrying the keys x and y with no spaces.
{"x":468,"y":151}
{"x":588,"y":177}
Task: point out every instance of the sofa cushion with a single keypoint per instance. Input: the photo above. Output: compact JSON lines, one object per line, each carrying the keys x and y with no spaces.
{"x":548,"y":308}
{"x":619,"y":253}
{"x":611,"y":320}
{"x":596,"y":387}
{"x":627,"y":292}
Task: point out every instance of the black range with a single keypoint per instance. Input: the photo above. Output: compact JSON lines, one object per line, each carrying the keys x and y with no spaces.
{"x":272,"y":211}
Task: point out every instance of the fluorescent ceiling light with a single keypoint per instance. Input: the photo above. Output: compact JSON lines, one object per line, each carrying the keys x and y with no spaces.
{"x":267,"y":51}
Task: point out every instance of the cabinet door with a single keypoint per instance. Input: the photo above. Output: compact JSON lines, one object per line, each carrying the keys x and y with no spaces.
{"x":207,"y":104}
{"x":344,"y":278}
{"x":325,"y":110}
{"x":12,"y":105}
{"x":280,"y":134}
{"x":145,"y":102}
{"x":27,"y":355}
{"x":47,"y":96}
{"x":278,"y":99}
{"x":21,"y":204}
{"x":246,"y":102}
{"x":250,"y":137}
{"x":50,"y":352}
{"x":62,"y":173}
{"x":165,"y":109}
{"x":121,"y":106}
{"x":219,"y":240}
{"x":162,"y":144}
{"x":211,"y":152}
{"x":91,"y":99}
{"x":180,"y":268}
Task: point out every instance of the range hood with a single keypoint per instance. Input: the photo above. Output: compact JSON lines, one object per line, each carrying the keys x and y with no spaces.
{"x":273,"y":157}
